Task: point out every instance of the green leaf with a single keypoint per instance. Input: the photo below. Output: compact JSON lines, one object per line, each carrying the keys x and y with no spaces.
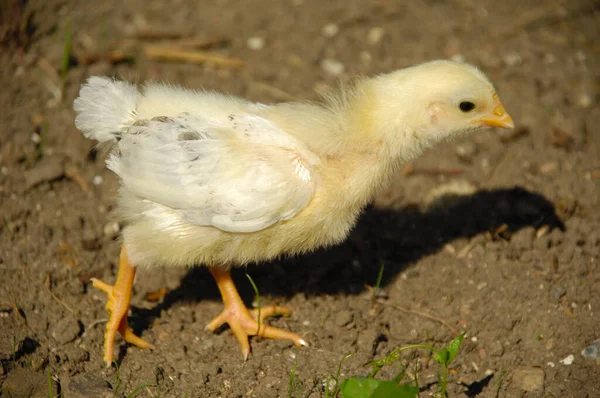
{"x":360,"y":387}
{"x":441,"y":356}
{"x":389,"y":389}
{"x":454,"y":346}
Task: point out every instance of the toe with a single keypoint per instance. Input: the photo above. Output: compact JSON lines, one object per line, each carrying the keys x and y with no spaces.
{"x":105,"y":287}
{"x":242,"y":337}
{"x":217,"y":321}
{"x":266,"y":312}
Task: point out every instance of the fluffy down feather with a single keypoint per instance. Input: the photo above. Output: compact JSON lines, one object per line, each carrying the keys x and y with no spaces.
{"x":104,"y":108}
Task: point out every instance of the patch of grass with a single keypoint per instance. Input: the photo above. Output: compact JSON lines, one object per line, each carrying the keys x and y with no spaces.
{"x":49,"y":384}
{"x":370,"y":387}
{"x":379,"y":276}
{"x":137,"y":390}
{"x":499,"y":383}
{"x":375,"y":288}
{"x":292,"y":381}
{"x":293,"y":392}
{"x":119,"y":381}
{"x":256,"y":293}
{"x":336,"y":389}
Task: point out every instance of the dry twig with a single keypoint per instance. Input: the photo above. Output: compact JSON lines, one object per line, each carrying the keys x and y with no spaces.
{"x":114,"y":57}
{"x":147,"y":34}
{"x":74,"y":175}
{"x":197,"y":57}
{"x":201,"y":43}
{"x":54,"y":296}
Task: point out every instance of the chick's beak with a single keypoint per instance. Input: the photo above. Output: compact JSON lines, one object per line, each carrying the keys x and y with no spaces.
{"x":497,"y":118}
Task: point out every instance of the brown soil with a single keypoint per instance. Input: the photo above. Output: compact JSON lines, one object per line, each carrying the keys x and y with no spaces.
{"x":513,"y":260}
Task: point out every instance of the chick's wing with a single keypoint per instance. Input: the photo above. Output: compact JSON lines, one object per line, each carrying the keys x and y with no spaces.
{"x":239,"y":175}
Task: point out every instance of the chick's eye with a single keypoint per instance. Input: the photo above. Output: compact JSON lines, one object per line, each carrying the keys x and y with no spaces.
{"x":466,"y":106}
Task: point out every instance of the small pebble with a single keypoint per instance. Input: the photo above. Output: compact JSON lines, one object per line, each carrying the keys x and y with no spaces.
{"x":458,"y":58}
{"x":330,"y":30}
{"x":512,"y":59}
{"x":584,"y":100}
{"x":375,"y":35}
{"x":111,"y":229}
{"x":343,"y":318}
{"x":413,"y":334}
{"x":66,"y":330}
{"x":333,"y":67}
{"x":256,"y":43}
{"x":592,"y":351}
{"x":97,"y":180}
{"x":35,"y":137}
{"x":542,"y":231}
{"x":557,"y":292}
{"x":365,"y":57}
{"x":548,"y":167}
{"x":568,"y":360}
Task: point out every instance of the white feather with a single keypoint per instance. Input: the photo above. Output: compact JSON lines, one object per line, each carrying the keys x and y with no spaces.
{"x":242,"y":175}
{"x":105,"y":107}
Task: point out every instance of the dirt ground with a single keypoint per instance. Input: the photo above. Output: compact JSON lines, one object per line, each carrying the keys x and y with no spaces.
{"x":513,"y":258}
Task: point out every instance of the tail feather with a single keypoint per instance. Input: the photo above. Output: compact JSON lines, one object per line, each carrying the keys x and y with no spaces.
{"x":105,"y":107}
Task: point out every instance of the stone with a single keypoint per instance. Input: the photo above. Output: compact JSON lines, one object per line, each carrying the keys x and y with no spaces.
{"x":333,"y":67}
{"x":343,"y":318}
{"x":557,"y":292}
{"x":85,"y":385}
{"x":48,"y":169}
{"x":592,"y":351}
{"x":529,"y":378}
{"x":26,"y":383}
{"x":111,"y":229}
{"x":65,"y":330}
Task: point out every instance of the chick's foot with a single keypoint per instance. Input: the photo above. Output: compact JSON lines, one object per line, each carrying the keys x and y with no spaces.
{"x":117,"y":305}
{"x":246,"y":323}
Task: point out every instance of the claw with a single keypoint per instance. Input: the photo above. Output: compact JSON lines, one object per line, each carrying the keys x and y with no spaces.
{"x":246,"y":323}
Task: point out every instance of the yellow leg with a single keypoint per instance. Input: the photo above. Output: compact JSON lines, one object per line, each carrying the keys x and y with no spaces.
{"x":244,"y":323}
{"x":117,"y":305}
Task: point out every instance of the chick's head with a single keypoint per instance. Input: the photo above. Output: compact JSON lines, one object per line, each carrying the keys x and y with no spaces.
{"x":432,"y":102}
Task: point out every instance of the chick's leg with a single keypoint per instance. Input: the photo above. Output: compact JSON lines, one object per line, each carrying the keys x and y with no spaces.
{"x":246,"y":323}
{"x":117,"y":305}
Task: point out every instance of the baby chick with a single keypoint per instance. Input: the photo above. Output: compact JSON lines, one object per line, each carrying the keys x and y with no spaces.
{"x":209,"y":179}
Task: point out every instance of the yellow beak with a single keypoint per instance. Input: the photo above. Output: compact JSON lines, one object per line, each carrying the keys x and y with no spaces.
{"x":497,"y":118}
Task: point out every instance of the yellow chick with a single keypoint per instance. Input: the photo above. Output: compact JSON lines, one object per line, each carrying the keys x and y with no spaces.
{"x":209,"y":179}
